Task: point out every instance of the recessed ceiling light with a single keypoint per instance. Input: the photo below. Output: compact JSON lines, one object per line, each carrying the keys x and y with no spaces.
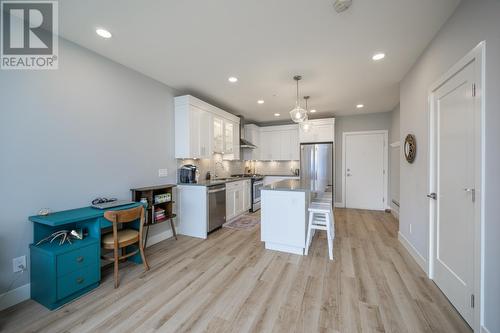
{"x":378,"y":56}
{"x":312,"y":111}
{"x":277,"y":114}
{"x":260,"y":101}
{"x":103,"y":33}
{"x":360,"y":106}
{"x":233,"y":79}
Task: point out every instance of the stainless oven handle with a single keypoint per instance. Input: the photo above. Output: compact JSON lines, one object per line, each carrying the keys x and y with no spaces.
{"x":215,"y":191}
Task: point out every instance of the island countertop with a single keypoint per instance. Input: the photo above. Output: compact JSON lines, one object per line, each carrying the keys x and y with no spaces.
{"x":289,"y":185}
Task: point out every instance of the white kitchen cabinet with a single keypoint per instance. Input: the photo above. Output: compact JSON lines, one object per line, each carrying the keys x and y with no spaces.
{"x":230,"y":203}
{"x":194,"y":141}
{"x":192,"y":211}
{"x":237,"y":198}
{"x":202,"y":129}
{"x":279,"y":143}
{"x":247,"y":195}
{"x":289,"y":145}
{"x":218,"y":134}
{"x":231,"y":140}
{"x":321,"y":130}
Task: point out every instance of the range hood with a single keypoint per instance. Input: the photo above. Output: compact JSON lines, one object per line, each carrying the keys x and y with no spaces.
{"x":244,"y":143}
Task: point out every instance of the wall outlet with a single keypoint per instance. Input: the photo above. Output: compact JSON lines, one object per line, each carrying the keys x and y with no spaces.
{"x":19,"y":264}
{"x":162,"y":172}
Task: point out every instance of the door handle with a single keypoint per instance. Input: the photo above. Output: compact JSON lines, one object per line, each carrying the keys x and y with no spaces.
{"x":472,"y":192}
{"x":432,"y":196}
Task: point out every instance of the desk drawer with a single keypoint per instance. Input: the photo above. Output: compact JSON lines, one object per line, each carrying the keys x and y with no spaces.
{"x":77,"y":259}
{"x":73,"y":282}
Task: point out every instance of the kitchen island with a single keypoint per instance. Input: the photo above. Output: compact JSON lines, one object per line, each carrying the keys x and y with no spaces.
{"x":284,"y":215}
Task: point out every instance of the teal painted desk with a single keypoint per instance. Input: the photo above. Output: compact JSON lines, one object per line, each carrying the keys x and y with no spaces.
{"x":61,"y":273}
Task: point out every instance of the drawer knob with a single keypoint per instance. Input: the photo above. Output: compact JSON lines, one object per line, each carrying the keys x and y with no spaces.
{"x":79,"y":259}
{"x":80,"y":280}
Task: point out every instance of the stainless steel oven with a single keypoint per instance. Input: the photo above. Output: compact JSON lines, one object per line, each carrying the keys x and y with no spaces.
{"x":257,"y":184}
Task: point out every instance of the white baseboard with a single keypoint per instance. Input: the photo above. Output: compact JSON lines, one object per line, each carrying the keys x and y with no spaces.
{"x":14,"y":296}
{"x":395,"y":213}
{"x":339,"y":204}
{"x":22,"y":293}
{"x":153,"y":239}
{"x":484,"y":330}
{"x":413,"y":252}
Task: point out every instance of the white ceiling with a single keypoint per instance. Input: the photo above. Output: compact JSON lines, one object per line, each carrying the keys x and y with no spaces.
{"x":194,"y":46}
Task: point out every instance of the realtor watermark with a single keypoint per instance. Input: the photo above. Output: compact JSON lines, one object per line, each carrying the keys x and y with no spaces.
{"x":28,"y":35}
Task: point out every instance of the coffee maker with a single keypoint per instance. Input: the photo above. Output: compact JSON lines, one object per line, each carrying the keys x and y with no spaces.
{"x":188,"y":174}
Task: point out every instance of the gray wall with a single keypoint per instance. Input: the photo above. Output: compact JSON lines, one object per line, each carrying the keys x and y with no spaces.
{"x":394,"y":152}
{"x":363,"y":122}
{"x":473,"y":22}
{"x":92,"y":128}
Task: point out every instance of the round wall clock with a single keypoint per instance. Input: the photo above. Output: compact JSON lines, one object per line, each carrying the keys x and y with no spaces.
{"x":410,"y":148}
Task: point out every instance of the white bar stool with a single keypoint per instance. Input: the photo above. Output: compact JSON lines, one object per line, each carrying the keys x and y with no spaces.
{"x":321,"y":218}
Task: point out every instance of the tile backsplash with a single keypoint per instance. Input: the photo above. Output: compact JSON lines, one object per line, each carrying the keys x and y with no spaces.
{"x":219,"y":168}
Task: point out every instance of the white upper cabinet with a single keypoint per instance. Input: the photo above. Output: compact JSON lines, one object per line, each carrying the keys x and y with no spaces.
{"x":202,"y":129}
{"x":218,"y":134}
{"x":194,"y":141}
{"x":321,"y":130}
{"x":279,"y":143}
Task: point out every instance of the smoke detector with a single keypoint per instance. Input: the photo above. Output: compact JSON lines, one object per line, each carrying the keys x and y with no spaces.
{"x":342,"y":5}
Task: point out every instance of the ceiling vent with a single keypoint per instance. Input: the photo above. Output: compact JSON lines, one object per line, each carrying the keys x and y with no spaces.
{"x":342,"y":5}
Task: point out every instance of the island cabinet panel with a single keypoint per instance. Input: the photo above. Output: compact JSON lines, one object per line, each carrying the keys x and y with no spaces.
{"x":283,"y":220}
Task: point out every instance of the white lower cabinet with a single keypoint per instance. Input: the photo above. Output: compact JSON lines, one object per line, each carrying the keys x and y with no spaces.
{"x":237,"y":198}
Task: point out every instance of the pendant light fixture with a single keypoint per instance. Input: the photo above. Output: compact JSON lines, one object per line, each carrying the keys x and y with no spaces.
{"x":306,"y":124}
{"x":298,"y":114}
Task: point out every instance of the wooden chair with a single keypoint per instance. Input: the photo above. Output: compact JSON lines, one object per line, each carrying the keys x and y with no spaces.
{"x":118,"y":240}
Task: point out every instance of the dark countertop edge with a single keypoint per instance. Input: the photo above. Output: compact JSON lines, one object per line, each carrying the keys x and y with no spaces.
{"x":286,"y":186}
{"x":220,"y":182}
{"x":154,"y":187}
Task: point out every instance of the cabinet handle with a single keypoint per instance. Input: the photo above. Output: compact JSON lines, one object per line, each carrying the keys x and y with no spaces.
{"x":79,"y":259}
{"x":80,"y":280}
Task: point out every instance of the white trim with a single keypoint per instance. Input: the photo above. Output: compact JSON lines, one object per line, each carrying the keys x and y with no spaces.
{"x":478,"y":55}
{"x":15,"y":296}
{"x":154,"y":239}
{"x":22,"y":293}
{"x":339,"y":204}
{"x":284,"y":248}
{"x":396,"y":144}
{"x":386,"y":161}
{"x":395,"y":213}
{"x":484,"y":329}
{"x":420,"y":260}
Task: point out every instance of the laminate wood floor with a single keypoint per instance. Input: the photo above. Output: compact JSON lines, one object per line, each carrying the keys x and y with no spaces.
{"x":230,"y":283}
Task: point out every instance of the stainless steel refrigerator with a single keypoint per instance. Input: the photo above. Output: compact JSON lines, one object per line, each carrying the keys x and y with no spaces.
{"x":317,"y":166}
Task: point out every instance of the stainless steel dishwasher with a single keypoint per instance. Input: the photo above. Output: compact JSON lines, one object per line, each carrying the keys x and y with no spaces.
{"x":216,"y":206}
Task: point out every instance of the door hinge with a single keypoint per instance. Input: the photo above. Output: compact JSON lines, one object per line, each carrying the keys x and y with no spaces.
{"x":472,"y":301}
{"x":383,"y":199}
{"x":384,"y":172}
{"x":473,"y":90}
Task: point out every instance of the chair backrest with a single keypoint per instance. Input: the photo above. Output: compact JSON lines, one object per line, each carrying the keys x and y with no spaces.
{"x":125,"y":216}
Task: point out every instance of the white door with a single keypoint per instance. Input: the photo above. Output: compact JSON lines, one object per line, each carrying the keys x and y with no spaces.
{"x":364,"y":170}
{"x":454,"y":184}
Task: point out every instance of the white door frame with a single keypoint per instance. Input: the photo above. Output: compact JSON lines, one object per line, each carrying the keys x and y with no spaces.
{"x":386,"y":162}
{"x":477,"y":55}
